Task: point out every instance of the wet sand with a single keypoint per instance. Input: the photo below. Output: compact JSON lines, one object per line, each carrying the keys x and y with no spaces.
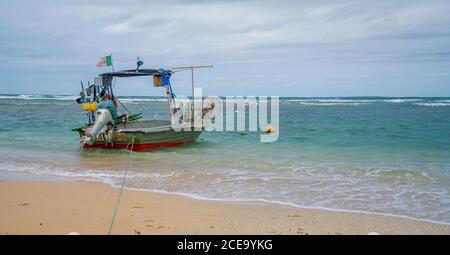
{"x":50,"y":207}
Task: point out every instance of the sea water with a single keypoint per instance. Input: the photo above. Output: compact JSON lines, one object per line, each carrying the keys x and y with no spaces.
{"x":370,"y":154}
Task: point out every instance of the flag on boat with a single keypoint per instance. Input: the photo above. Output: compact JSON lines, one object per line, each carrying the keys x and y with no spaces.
{"x":106,"y":61}
{"x":139,"y":62}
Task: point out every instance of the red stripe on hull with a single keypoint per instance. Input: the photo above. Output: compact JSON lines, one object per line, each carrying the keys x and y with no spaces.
{"x":136,"y":147}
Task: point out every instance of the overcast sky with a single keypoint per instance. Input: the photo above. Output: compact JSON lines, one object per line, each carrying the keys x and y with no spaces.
{"x":286,"y":48}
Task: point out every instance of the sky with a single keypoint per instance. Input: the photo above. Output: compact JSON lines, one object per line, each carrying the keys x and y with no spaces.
{"x":261,"y":48}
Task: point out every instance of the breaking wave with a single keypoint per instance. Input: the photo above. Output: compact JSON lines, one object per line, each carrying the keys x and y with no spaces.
{"x":437,"y":104}
{"x":38,"y":97}
{"x":127,"y":99}
{"x":331,"y":104}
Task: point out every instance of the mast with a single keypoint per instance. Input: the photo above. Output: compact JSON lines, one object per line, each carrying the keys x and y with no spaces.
{"x":112,"y":63}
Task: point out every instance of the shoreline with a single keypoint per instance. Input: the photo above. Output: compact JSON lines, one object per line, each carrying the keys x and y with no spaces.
{"x":57,"y":207}
{"x":277,"y":203}
{"x":25,"y":176}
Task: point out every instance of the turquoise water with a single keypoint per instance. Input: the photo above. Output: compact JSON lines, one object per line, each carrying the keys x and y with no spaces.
{"x":381,"y":155}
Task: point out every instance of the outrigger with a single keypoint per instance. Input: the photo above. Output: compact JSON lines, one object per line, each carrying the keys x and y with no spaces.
{"x":129,"y":131}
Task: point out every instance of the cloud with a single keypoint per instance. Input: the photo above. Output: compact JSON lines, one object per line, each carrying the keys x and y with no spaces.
{"x":254,"y":36}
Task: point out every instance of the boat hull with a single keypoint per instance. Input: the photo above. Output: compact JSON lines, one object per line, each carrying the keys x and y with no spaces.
{"x":141,"y":140}
{"x":137,"y":147}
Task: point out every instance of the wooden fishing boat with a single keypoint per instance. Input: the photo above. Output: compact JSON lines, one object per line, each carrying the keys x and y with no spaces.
{"x":151,"y":135}
{"x":130,"y":132}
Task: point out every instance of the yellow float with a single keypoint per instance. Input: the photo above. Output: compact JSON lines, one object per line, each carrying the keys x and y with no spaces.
{"x":89,"y":107}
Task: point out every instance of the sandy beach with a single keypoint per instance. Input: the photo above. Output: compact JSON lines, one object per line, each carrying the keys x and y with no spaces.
{"x":50,"y":207}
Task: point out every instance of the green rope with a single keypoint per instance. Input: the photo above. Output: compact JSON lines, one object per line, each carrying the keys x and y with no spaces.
{"x":120,"y":194}
{"x":117,"y":204}
{"x":131,"y":142}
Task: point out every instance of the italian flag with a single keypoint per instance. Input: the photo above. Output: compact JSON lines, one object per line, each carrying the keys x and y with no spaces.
{"x":106,"y":61}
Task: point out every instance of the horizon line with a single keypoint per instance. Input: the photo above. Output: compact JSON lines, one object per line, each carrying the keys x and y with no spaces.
{"x":37,"y":94}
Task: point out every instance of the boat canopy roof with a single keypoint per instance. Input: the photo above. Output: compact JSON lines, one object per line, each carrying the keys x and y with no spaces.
{"x":134,"y":73}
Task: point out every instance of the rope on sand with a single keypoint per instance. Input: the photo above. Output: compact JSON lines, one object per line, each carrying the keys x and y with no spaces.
{"x":120,"y":195}
{"x":117,"y":203}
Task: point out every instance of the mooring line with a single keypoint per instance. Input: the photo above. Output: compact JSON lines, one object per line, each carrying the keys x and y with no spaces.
{"x":120,"y":195}
{"x":117,"y":203}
